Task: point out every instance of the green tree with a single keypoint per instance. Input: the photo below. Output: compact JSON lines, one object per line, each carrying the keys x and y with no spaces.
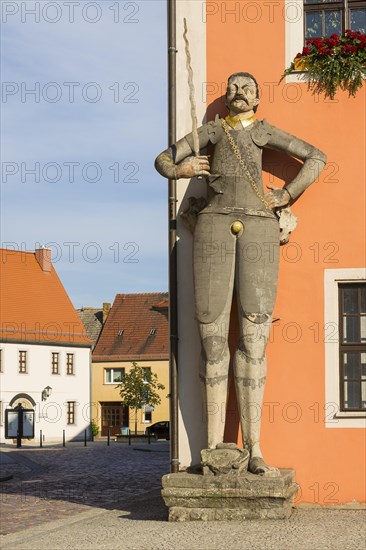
{"x":138,"y":388}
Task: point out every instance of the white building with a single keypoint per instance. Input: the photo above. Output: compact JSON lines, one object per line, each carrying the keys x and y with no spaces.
{"x":45,"y":353}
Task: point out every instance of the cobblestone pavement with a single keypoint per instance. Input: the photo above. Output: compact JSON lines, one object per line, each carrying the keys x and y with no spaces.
{"x":55,"y":482}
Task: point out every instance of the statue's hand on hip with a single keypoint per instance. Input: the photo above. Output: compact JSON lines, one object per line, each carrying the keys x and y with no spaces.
{"x":277,"y":197}
{"x":193,"y":166}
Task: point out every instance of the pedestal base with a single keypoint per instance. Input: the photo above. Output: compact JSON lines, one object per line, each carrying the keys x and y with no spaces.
{"x":229,"y":497}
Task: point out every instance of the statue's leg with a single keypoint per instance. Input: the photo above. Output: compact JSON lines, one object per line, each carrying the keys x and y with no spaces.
{"x":214,"y":369}
{"x":214,"y":274}
{"x":256,"y":282}
{"x":250,"y":370}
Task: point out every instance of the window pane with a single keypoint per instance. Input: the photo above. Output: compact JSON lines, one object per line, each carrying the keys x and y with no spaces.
{"x":108,"y":376}
{"x":350,"y":300}
{"x":363,"y":366}
{"x":147,"y":372}
{"x":351,"y":395}
{"x":314,"y":25}
{"x":351,"y":365}
{"x":332,"y":22}
{"x":117,"y":375}
{"x":350,"y":329}
{"x":363,"y":299}
{"x":363,"y":328}
{"x":320,"y":1}
{"x":363,"y":395}
{"x":358,"y":20}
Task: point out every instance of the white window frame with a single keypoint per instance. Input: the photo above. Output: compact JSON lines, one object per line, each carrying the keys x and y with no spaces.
{"x":112,"y":369}
{"x":294,"y":31}
{"x":334,"y":417}
{"x":144,"y":421}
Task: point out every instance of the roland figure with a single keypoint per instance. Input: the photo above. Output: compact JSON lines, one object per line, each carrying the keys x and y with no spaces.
{"x":236,"y":245}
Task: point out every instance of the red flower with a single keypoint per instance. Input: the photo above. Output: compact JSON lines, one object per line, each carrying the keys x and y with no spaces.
{"x":329,"y":42}
{"x":351,"y":34}
{"x":305,"y":51}
{"x":298,"y":56}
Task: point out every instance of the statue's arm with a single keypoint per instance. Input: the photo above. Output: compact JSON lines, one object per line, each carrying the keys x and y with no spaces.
{"x":177,"y":161}
{"x":314,"y":159}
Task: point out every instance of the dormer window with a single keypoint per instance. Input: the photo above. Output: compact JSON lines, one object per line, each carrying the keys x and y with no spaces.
{"x":153,"y":331}
{"x":120,"y":332}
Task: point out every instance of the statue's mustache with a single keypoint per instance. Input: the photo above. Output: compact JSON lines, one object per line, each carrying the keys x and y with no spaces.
{"x":242,"y":97}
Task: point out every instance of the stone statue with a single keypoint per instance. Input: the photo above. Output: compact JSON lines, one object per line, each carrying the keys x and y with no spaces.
{"x":236,"y":245}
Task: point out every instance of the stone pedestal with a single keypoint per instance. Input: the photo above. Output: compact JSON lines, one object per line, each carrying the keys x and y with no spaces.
{"x":229,"y":497}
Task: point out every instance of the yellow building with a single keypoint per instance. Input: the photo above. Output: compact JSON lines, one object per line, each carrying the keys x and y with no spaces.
{"x":136,"y":329}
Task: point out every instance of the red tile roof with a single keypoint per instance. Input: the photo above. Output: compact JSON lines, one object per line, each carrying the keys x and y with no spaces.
{"x":136,"y":328}
{"x":34,"y":306}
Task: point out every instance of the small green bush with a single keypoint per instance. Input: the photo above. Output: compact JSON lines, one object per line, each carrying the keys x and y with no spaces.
{"x":94,"y":428}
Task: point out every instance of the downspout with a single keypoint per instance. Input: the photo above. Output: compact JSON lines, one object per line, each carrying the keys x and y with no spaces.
{"x":173,"y":294}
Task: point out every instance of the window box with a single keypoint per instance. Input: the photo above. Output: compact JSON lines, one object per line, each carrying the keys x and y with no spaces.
{"x":333,"y":63}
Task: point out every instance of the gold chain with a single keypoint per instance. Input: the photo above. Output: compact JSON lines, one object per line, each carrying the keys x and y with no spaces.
{"x":236,"y":151}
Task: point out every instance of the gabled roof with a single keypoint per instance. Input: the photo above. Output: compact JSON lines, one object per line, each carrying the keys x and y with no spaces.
{"x":34,"y":306}
{"x":136,"y":328}
{"x":92,"y":318}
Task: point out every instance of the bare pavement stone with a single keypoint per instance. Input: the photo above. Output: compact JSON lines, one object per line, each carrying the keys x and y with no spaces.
{"x":141,"y":523}
{"x":108,"y":498}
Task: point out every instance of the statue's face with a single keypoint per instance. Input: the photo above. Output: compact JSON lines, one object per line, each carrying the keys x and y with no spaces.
{"x":241,"y":94}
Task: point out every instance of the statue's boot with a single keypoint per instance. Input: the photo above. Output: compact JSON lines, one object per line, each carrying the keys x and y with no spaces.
{"x":259,"y":467}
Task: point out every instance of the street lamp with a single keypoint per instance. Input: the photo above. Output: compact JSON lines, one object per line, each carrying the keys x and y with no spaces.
{"x":46,"y":393}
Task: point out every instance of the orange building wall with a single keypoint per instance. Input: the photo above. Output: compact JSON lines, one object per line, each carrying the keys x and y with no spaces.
{"x":330,"y":463}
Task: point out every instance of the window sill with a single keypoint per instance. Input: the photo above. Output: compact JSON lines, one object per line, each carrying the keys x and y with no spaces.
{"x":295,"y":76}
{"x":350,"y":414}
{"x":346,"y":420}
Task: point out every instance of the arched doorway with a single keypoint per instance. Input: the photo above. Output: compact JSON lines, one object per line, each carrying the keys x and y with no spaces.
{"x":23,"y":399}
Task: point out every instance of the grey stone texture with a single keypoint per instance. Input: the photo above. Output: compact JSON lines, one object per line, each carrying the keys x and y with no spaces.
{"x":229,"y":497}
{"x":227,"y":458}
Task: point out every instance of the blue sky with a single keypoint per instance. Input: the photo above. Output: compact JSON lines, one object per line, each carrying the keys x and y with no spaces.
{"x":78,"y":153}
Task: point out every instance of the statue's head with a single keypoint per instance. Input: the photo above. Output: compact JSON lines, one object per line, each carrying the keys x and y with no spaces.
{"x":242,"y":93}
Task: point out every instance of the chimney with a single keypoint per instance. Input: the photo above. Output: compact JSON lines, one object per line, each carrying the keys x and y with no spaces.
{"x":106,"y":308}
{"x":43,"y":257}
